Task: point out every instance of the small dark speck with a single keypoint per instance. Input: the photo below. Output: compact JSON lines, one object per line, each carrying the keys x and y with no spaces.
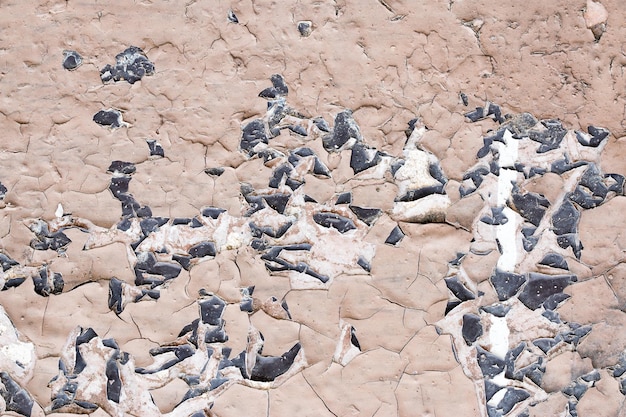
{"x":464,"y":98}
{"x":305,"y":27}
{"x":71,"y":60}
{"x":216,"y":172}
{"x":155,"y":148}
{"x":109,"y":118}
{"x":232,"y":17}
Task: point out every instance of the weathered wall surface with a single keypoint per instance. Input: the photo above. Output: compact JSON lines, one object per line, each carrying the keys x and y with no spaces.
{"x":436,"y":300}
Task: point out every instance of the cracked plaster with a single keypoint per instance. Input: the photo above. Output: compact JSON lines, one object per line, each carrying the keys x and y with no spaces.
{"x":561,"y":60}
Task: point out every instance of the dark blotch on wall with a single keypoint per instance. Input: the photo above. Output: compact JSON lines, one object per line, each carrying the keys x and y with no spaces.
{"x":132,"y":65}
{"x":15,"y":397}
{"x":472,"y":329}
{"x":109,"y":118}
{"x":71,"y":60}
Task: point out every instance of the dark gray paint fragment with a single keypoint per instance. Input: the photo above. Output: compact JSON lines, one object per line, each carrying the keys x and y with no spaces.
{"x":202,"y":249}
{"x":247,"y":302}
{"x":211,"y":310}
{"x":498,"y":310}
{"x":6,"y":262}
{"x":546,"y":343}
{"x":131,"y":65}
{"x":395,"y":236}
{"x":451,"y":305}
{"x":490,"y":389}
{"x":345,"y":129}
{"x":332,"y":220}
{"x":155,"y":148}
{"x":268,"y":368}
{"x":497,"y":217}
{"x":531,"y":206}
{"x":459,"y":290}
{"x":570,"y":240}
{"x":278,"y":82}
{"x":305,"y":28}
{"x":472,"y":329}
{"x":145,"y":261}
{"x":122,"y":167}
{"x":109,"y":118}
{"x":363,"y":157}
{"x":16,"y":398}
{"x":411,"y":127}
{"x":476,"y":176}
{"x":232,"y":18}
{"x":506,"y":284}
{"x":595,"y":137}
{"x":593,"y":187}
{"x":282,"y":171}
{"x":413,"y":195}
{"x":71,"y":60}
{"x":12,"y":283}
{"x":114,"y":383}
{"x":510,"y":358}
{"x":212,"y":212}
{"x":344,"y":198}
{"x":277,"y":201}
{"x":553,"y":316}
{"x":116,"y":300}
{"x":396,"y":165}
{"x":464,"y":98}
{"x":576,"y":333}
{"x":565,"y":219}
{"x":48,"y":283}
{"x":620,"y":367}
{"x":274,"y":263}
{"x":152,"y":224}
{"x":554,"y":260}
{"x":253,"y":134}
{"x":488,"y":141}
{"x":353,"y":340}
{"x":563,"y":165}
{"x":550,"y":138}
{"x":480,"y":113}
{"x":298,"y":130}
{"x":119,"y":186}
{"x":363,"y":263}
{"x":575,"y":389}
{"x":534,"y":372}
{"x":436,"y":172}
{"x":45,"y":240}
{"x":321,"y":124}
{"x":215,"y":172}
{"x":259,"y":231}
{"x":540,"y":287}
{"x":511,"y":397}
{"x":216,"y":334}
{"x":181,"y":353}
{"x":366,"y":215}
{"x":490,"y":365}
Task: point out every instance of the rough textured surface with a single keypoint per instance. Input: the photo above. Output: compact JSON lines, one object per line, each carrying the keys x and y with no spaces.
{"x":338,"y":208}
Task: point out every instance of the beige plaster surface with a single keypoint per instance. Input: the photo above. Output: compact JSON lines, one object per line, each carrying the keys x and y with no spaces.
{"x":389,"y":62}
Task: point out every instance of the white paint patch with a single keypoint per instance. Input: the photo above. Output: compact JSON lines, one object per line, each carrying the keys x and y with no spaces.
{"x":499,"y":336}
{"x":506,"y":233}
{"x":59,"y":211}
{"x":19,"y":352}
